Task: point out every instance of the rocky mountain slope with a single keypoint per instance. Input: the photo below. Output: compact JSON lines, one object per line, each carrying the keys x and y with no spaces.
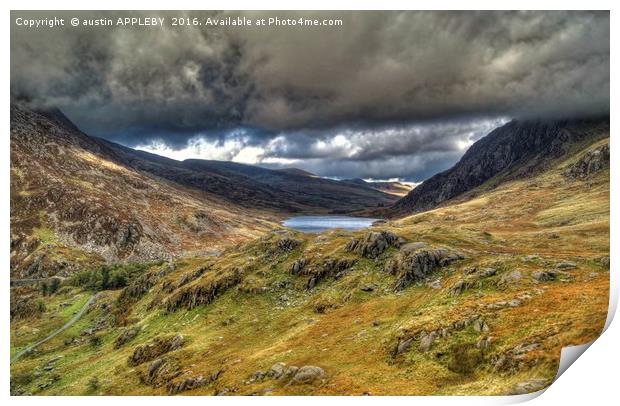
{"x":73,"y":202}
{"x":476,"y":297}
{"x":517,"y":149}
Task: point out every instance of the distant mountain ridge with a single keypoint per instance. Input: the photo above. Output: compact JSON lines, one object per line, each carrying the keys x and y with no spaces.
{"x":392,"y":187}
{"x":516,"y":149}
{"x":286,"y":191}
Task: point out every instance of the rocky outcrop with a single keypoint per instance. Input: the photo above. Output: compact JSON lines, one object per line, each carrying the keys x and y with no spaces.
{"x":291,"y":375}
{"x":287,"y":244}
{"x":154,"y":349}
{"x":192,"y":382}
{"x":185,"y":279}
{"x":517,"y":149}
{"x":23,"y":307}
{"x":415,"y":262}
{"x":591,"y":163}
{"x":298,"y":266}
{"x":161,"y":371}
{"x":426,"y":338}
{"x":331,"y":267}
{"x":202,"y":293}
{"x":126,"y":335}
{"x":374,"y":243}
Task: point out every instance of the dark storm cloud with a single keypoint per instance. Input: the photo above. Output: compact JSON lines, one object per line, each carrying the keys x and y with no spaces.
{"x":380,"y":73}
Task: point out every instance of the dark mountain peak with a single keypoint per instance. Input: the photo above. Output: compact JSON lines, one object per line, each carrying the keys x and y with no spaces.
{"x":518,"y":148}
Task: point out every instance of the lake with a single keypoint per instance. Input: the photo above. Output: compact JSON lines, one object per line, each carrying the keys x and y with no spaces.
{"x":316,"y":224}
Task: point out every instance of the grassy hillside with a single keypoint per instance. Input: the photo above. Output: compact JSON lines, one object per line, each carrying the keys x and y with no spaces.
{"x":477,"y":297}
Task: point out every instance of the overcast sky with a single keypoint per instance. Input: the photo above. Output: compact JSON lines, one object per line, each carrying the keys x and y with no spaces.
{"x":385,"y":95}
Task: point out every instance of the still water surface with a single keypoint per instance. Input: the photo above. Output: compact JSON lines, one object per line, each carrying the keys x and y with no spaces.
{"x":316,"y":224}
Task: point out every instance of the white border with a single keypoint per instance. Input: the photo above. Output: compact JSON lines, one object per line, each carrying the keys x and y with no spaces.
{"x":592,"y":381}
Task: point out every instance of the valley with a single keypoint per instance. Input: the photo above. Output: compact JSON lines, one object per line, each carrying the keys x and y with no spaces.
{"x":471,"y":287}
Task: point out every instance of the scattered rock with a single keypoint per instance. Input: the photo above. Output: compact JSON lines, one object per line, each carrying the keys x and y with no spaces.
{"x":277,"y":370}
{"x":469,"y":271}
{"x":480,"y":325}
{"x":483,"y":343}
{"x":192,"y":383}
{"x":531,"y":258}
{"x":298,"y":266}
{"x":604,"y":261}
{"x":127,"y":335}
{"x":368,"y":288}
{"x":458,"y":288}
{"x":485,"y":273}
{"x":565,"y":265}
{"x":514,"y":303}
{"x":308,"y":374}
{"x":426,"y":342}
{"x":545,"y":276}
{"x":509,"y":278}
{"x":530,"y":386}
{"x":403,"y":345}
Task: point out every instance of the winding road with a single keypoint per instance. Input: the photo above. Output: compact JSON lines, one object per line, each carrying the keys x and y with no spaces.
{"x":68,"y":324}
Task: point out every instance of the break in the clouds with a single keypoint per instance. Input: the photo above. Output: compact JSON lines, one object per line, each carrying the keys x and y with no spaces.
{"x":387,"y":94}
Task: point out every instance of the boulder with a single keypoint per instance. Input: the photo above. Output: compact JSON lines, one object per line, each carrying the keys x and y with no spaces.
{"x":298,"y":266}
{"x":480,"y":325}
{"x":509,"y":278}
{"x":545,"y":276}
{"x":565,"y":265}
{"x":604,"y":261}
{"x":277,"y":370}
{"x":533,"y":385}
{"x":458,"y":288}
{"x":426,"y":341}
{"x":487,"y":272}
{"x":308,"y":374}
{"x":403,"y":345}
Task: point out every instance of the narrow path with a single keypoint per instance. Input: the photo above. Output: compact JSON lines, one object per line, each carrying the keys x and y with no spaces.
{"x":60,"y":330}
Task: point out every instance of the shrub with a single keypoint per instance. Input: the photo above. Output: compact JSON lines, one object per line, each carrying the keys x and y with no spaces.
{"x":107,"y":277}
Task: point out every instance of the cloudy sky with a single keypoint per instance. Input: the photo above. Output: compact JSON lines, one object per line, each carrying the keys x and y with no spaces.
{"x":385,"y":95}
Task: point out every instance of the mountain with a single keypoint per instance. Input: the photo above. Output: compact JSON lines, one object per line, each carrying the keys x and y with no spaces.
{"x":515,"y":150}
{"x":256,"y":187}
{"x":74,"y":203}
{"x":394,"y":188}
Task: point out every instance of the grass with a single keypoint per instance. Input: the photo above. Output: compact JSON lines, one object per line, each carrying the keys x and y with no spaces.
{"x":352,"y":332}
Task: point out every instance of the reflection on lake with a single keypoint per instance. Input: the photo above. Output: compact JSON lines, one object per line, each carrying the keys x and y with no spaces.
{"x":316,"y":224}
